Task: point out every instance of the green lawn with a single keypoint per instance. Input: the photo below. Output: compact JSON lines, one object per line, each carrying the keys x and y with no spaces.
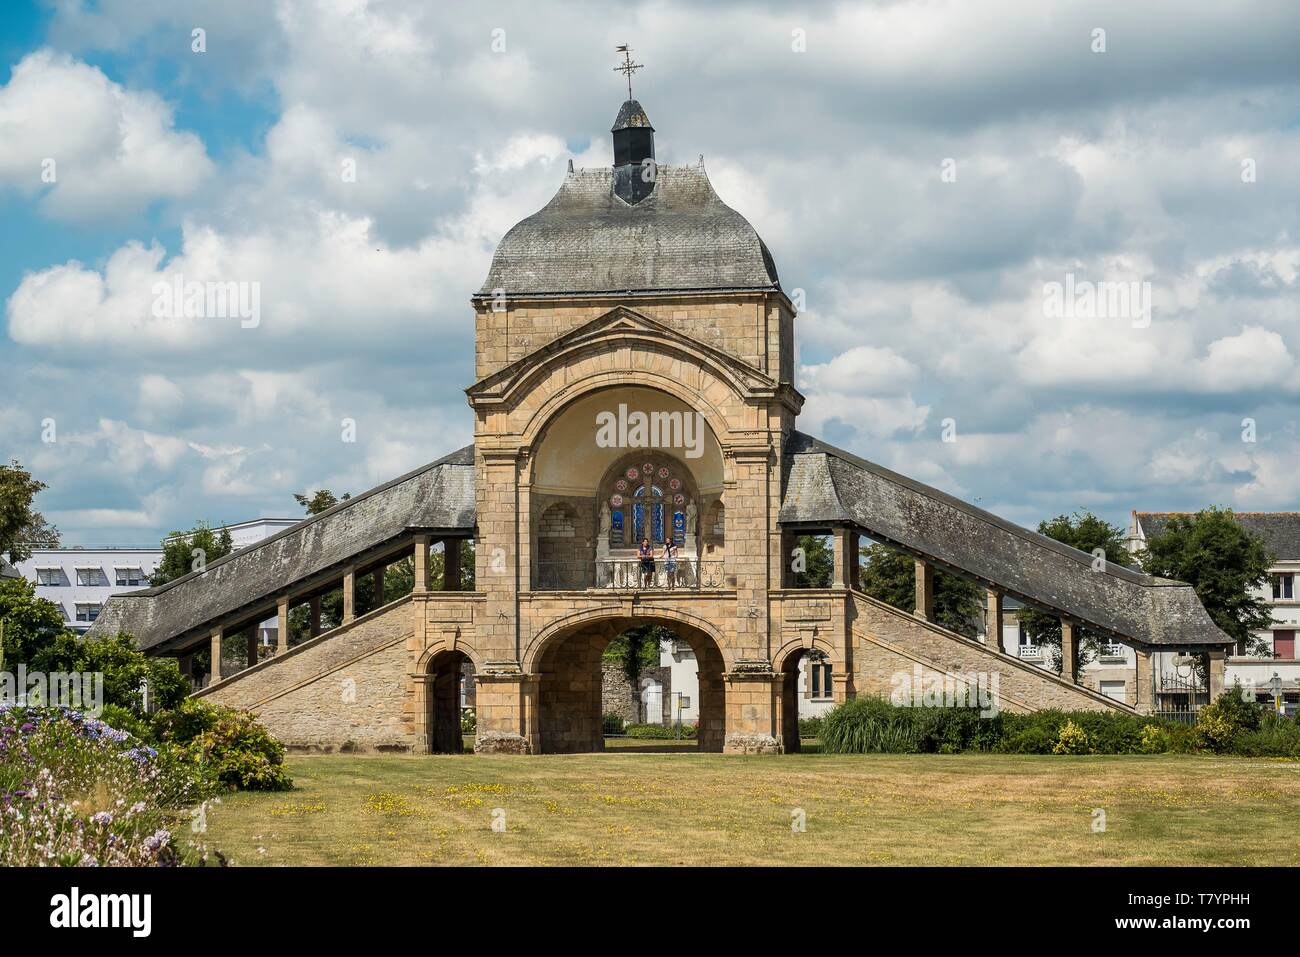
{"x":689,"y":808}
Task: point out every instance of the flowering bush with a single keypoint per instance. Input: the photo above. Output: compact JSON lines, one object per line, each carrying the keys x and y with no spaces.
{"x":75,"y":791}
{"x":1072,"y":740}
{"x":236,"y":750}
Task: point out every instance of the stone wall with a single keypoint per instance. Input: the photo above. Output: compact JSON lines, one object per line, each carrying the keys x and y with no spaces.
{"x":620,"y":697}
{"x":888,"y":643}
{"x":346,"y":690}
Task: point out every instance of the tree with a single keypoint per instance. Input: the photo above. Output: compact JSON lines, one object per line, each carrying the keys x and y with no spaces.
{"x":319,"y":501}
{"x":818,"y":563}
{"x":1086,"y":532}
{"x":20,"y":526}
{"x":634,"y":650}
{"x":124,"y":667}
{"x":890,"y":576}
{"x":1224,"y":562}
{"x":179,"y":547}
{"x":28,"y":623}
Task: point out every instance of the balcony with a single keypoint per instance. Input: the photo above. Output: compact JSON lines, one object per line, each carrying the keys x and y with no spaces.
{"x":1031,"y":652}
{"x":624,"y":574}
{"x":1111,"y":651}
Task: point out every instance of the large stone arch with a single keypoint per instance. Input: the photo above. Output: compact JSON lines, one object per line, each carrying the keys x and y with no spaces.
{"x":615,"y":616}
{"x":566,"y":660}
{"x":785,"y":662}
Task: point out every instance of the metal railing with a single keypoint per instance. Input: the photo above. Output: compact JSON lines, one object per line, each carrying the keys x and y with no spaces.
{"x":1031,"y":651}
{"x":1110,"y":651}
{"x":626,"y":574}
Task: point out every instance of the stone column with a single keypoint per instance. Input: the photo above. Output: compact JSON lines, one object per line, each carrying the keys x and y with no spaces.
{"x":214,"y":650}
{"x":315,"y":615}
{"x":349,"y":595}
{"x":451,"y":565}
{"x":506,"y":709}
{"x":1218,"y":658}
{"x":282,"y":626}
{"x":752,"y":710}
{"x":842,"y":545}
{"x":1069,"y":651}
{"x":251,"y":645}
{"x":993,"y":620}
{"x":1145,"y":689}
{"x":924,"y":590}
{"x":421,"y":563}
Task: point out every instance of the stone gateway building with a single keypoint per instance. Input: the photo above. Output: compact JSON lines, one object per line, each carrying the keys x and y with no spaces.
{"x":633,"y":382}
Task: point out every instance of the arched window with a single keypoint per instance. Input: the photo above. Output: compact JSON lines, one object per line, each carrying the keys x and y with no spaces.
{"x":647,"y":499}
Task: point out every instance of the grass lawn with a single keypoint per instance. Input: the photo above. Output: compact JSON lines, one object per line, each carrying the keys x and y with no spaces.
{"x":632,"y":807}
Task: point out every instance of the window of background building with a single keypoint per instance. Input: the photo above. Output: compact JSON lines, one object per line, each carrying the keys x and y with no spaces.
{"x":49,"y":576}
{"x":87,"y":612}
{"x":130,"y":576}
{"x":1283,"y":586}
{"x":90,"y":576}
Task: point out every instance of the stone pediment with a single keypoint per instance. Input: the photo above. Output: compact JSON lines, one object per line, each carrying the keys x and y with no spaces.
{"x":620,"y":327}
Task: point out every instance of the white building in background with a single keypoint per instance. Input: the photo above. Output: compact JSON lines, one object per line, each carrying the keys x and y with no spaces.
{"x":816,"y":690}
{"x":1281,"y":534}
{"x":80,"y":578}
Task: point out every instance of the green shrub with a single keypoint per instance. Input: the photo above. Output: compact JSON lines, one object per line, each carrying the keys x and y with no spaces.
{"x":1276,"y":736}
{"x":468,"y":721}
{"x":230,"y":744}
{"x":869,"y":725}
{"x":242,"y":754}
{"x":660,"y":731}
{"x":1072,"y":740}
{"x":1224,"y":719}
{"x":810,"y":727}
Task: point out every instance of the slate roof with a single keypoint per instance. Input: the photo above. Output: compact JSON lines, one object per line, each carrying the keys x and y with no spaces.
{"x":438,"y":497}
{"x":826,"y":485}
{"x":681,"y":237}
{"x":1279,"y":530}
{"x":630,"y":115}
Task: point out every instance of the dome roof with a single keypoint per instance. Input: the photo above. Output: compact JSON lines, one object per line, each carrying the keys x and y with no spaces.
{"x":680,"y":237}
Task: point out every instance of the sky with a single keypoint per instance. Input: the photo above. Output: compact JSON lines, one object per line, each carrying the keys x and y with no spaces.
{"x":927,"y":174}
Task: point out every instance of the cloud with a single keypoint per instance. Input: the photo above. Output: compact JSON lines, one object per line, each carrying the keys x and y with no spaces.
{"x":89,"y":147}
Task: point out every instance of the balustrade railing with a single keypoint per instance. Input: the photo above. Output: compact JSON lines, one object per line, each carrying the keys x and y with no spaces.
{"x":626,"y":574}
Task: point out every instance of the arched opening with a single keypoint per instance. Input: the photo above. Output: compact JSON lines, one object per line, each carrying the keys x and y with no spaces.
{"x":807,"y":691}
{"x":449,"y":691}
{"x":617,"y":466}
{"x":571,"y":701}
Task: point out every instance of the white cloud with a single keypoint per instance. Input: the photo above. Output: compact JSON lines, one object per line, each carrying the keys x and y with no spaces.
{"x":112,"y":150}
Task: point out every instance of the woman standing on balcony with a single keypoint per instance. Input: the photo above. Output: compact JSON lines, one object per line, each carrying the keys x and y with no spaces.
{"x":670,"y":562}
{"x":645,"y":551}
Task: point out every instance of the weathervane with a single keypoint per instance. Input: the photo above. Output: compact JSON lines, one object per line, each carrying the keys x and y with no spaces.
{"x":628,"y":66}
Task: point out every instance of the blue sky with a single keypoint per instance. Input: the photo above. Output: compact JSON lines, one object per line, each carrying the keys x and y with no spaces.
{"x":924,"y":292}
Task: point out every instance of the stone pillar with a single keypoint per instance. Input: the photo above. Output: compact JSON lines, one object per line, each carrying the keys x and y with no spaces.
{"x":251,"y":645}
{"x":349,"y":595}
{"x":282,"y":626}
{"x":379,"y":585}
{"x":1069,"y":651}
{"x":451,"y":564}
{"x":993,"y":620}
{"x":842,"y":546}
{"x":214,"y":650}
{"x":421,"y":563}
{"x":315,"y":615}
{"x":1218,"y":658}
{"x":752,"y":712}
{"x":1145,"y":688}
{"x":506,"y":712}
{"x":924,"y":590}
